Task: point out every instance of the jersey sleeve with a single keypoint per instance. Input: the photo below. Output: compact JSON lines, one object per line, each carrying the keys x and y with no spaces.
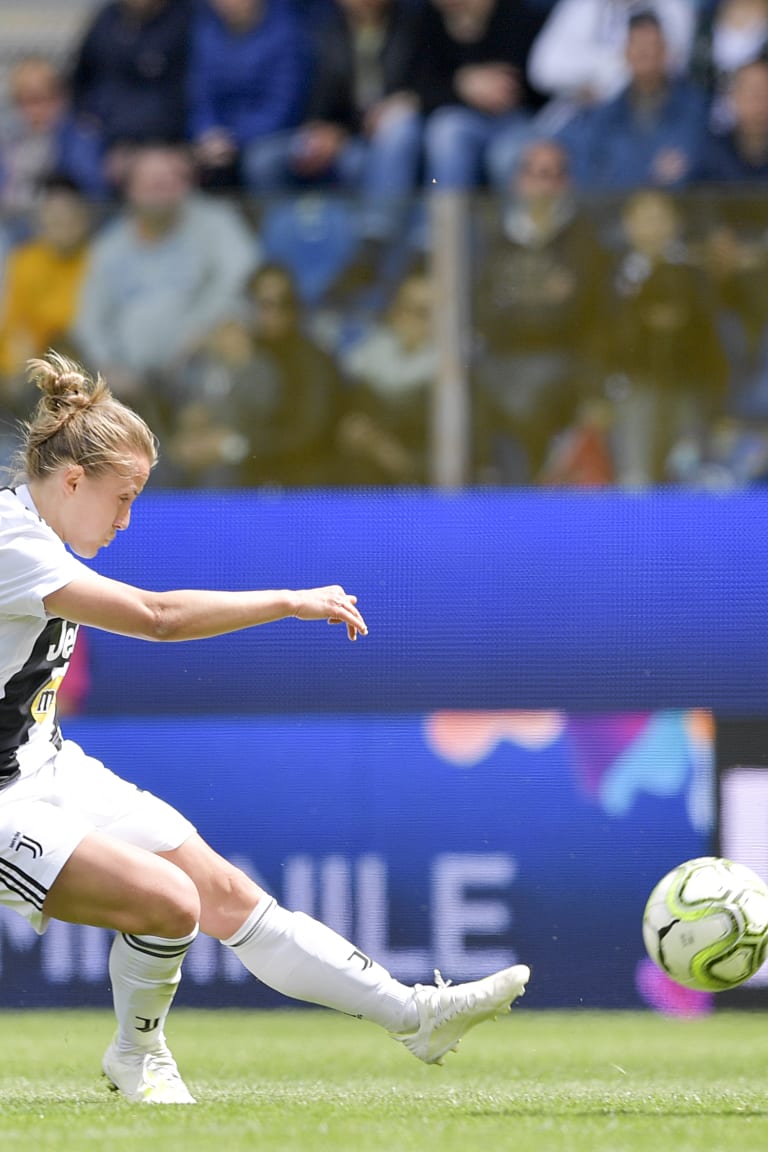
{"x":33,"y":564}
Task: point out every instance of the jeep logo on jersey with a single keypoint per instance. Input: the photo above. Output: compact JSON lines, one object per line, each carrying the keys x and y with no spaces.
{"x":45,"y":701}
{"x":64,"y":646}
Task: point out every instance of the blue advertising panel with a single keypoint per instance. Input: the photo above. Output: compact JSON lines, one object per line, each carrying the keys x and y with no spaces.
{"x":502,"y":769}
{"x":458,"y":840}
{"x":585,"y":602}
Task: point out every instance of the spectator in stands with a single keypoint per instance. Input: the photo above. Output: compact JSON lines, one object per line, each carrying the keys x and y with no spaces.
{"x":730,"y":34}
{"x":739,"y":155}
{"x":384,"y":434}
{"x":736,"y":251}
{"x":578,"y":58}
{"x":162,"y":275}
{"x":580,"y":456}
{"x":735,"y":165}
{"x":361,"y":131}
{"x":536,"y":300}
{"x":650,"y":134}
{"x":317,"y":237}
{"x":41,"y":138}
{"x":734,"y":455}
{"x":666,"y":371}
{"x":470,"y":77}
{"x":258,"y":404}
{"x":129,"y":77}
{"x":41,"y":286}
{"x":248,"y":81}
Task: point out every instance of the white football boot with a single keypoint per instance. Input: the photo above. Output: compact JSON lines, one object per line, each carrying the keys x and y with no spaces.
{"x":146,"y":1077}
{"x":448,"y":1011}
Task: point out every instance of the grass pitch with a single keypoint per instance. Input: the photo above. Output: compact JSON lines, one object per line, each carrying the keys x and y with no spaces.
{"x":301,"y":1081}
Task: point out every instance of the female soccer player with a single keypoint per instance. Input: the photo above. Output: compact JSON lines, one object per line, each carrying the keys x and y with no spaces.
{"x":78,"y":843}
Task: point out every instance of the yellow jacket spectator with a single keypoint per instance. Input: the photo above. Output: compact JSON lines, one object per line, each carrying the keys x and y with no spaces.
{"x":42,"y":282}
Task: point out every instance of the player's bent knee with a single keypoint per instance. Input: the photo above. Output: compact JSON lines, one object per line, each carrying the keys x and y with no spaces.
{"x":116,"y":886}
{"x":178,"y":906}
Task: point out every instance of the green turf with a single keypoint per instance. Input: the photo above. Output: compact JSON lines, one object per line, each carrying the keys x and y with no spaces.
{"x":298,"y":1080}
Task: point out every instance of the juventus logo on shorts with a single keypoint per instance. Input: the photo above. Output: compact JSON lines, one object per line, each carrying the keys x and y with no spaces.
{"x":20,"y":841}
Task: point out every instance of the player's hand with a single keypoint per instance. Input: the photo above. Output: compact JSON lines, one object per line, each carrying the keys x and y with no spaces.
{"x":334,"y":605}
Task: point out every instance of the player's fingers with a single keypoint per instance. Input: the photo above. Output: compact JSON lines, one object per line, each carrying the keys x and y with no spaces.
{"x":356,"y":620}
{"x":346,"y":611}
{"x":354,"y":628}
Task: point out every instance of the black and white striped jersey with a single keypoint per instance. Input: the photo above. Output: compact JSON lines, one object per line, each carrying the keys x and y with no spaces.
{"x":35,"y":648}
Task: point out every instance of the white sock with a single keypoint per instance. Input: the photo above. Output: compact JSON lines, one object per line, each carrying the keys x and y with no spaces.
{"x":303,"y":958}
{"x":145,"y":973}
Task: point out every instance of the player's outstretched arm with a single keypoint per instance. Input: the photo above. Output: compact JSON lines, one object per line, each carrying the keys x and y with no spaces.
{"x":189,"y":614}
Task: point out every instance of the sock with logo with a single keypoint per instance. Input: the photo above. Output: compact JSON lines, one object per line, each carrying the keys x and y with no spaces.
{"x":306,"y":960}
{"x":145,"y":972}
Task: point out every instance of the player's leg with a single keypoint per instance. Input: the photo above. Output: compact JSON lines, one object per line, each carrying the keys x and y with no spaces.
{"x":289,"y":951}
{"x":108,"y":883}
{"x":154,"y":907}
{"x":306,"y":960}
{"x":116,"y":878}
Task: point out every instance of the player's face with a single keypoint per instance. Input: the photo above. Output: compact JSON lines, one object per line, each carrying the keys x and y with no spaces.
{"x":99,"y":506}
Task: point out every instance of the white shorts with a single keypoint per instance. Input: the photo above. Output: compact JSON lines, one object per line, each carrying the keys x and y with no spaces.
{"x":45,"y":815}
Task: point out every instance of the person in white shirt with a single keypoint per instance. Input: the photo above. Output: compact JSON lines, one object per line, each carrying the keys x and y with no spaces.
{"x":79,"y":844}
{"x":731,"y":34}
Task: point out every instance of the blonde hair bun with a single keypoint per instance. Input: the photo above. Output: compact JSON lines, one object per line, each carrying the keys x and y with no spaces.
{"x":64,"y":384}
{"x":79,"y":421}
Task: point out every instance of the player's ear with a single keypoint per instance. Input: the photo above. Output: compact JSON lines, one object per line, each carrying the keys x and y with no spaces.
{"x":71,"y":477}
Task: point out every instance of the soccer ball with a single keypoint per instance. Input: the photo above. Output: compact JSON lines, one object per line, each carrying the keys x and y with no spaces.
{"x":706,"y":924}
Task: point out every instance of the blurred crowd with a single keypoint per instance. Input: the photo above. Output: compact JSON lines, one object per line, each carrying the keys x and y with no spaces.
{"x":224,"y":207}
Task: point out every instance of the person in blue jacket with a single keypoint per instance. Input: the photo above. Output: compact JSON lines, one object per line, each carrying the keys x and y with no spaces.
{"x":248,"y":79}
{"x":652,"y":133}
